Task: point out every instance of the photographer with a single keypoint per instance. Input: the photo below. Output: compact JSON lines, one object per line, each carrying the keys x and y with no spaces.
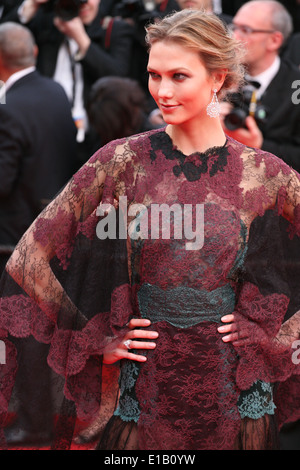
{"x":76,"y":49}
{"x":263,"y":27}
{"x":138,"y":13}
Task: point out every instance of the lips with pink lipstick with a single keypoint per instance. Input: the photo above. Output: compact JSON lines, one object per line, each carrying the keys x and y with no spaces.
{"x":168,"y":106}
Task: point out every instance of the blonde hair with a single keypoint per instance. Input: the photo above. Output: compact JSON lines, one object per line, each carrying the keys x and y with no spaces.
{"x":206,"y":34}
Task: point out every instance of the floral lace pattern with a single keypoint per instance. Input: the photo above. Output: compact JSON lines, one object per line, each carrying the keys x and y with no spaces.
{"x":257,"y":401}
{"x":128,"y":408}
{"x":77,"y":292}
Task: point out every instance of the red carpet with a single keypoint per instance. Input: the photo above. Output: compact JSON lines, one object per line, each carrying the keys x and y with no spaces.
{"x":78,"y":427}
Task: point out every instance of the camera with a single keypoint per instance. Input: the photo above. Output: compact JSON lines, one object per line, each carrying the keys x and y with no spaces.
{"x":66,"y":9}
{"x":141,"y":11}
{"x":244,"y":104}
{"x":138,"y":12}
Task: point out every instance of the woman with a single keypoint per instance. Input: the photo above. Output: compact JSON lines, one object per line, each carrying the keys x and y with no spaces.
{"x":191,"y":316}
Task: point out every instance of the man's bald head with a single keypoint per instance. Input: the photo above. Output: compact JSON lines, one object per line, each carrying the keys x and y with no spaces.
{"x":17,"y":47}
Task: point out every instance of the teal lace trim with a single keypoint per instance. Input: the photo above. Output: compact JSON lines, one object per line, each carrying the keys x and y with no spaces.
{"x":128,"y":409}
{"x":184,"y":307}
{"x":257,"y":401}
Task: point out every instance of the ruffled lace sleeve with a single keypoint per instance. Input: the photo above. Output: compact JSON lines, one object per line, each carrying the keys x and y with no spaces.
{"x":68,"y":288}
{"x":267,"y":311}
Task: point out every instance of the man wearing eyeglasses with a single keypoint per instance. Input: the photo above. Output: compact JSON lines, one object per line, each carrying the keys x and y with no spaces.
{"x":263,"y":27}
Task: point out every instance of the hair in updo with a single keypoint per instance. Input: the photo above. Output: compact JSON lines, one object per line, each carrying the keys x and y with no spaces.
{"x":206,"y":34}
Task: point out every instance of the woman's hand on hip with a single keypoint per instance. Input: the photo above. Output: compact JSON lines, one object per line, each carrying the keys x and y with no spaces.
{"x":136,"y":338}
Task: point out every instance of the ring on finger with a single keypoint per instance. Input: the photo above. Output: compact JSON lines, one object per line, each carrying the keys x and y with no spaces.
{"x":127,"y":343}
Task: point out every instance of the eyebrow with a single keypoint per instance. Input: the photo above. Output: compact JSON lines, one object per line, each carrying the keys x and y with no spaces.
{"x":176,"y":69}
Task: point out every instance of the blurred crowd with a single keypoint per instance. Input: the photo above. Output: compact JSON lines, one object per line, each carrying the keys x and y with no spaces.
{"x":75,"y":78}
{"x":81,"y":41}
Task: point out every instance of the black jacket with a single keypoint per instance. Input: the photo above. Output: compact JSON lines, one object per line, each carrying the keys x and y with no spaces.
{"x":37,"y":151}
{"x":282,"y":128}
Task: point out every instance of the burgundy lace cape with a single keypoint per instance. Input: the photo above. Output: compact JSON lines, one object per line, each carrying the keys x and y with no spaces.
{"x":76,"y":292}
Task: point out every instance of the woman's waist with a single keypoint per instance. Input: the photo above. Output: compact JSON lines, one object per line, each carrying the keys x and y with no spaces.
{"x":184,"y":306}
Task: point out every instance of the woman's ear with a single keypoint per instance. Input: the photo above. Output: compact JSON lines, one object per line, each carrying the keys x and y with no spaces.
{"x":219,"y":78}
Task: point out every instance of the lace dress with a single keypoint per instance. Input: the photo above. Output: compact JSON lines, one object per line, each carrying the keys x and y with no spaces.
{"x":221,"y":247}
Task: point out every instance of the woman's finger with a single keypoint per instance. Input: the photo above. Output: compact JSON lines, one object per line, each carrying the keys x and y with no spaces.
{"x":131,"y":344}
{"x":227,"y":328}
{"x":141,"y":334}
{"x":230,"y":338}
{"x":134,"y":357}
{"x":139,"y":323}
{"x":228,"y":318}
{"x":236,"y":335}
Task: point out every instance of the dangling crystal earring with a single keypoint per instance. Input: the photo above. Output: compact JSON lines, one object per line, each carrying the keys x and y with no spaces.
{"x":213,"y":109}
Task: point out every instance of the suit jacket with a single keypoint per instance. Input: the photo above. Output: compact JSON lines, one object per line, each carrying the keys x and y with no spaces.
{"x":282,"y":128}
{"x":292,"y":49}
{"x":110,"y":51}
{"x":8,"y":6}
{"x":37,"y":151}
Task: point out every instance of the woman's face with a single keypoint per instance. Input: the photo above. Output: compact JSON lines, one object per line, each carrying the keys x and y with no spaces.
{"x":179,"y":82}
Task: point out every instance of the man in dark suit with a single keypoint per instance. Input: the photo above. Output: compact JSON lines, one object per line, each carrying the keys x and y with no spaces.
{"x":76,"y":48}
{"x":37,"y":135}
{"x":37,"y":155}
{"x":264,"y":26}
{"x":292,"y":50}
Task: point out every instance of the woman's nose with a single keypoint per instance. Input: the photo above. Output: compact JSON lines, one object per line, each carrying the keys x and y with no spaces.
{"x":165,"y":89}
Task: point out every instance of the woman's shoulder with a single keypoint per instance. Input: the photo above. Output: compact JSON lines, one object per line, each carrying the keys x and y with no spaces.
{"x":256,"y":159}
{"x":125,"y":148}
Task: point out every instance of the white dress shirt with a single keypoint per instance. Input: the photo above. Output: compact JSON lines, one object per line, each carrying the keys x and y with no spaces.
{"x":266,"y":77}
{"x":68,"y":73}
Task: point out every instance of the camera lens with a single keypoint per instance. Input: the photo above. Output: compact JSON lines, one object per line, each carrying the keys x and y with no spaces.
{"x":235,"y":119}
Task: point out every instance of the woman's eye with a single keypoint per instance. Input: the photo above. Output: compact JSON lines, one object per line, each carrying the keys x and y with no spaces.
{"x":154,"y":75}
{"x":179,"y":76}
